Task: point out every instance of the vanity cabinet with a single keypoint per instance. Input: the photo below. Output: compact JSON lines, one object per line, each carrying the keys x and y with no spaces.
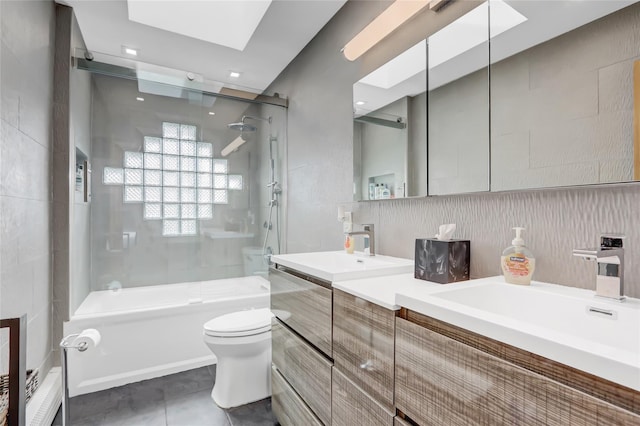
{"x":301,"y":337}
{"x":288,"y":406}
{"x":352,"y":406}
{"x":447,"y":375}
{"x":363,"y":345}
{"x":304,"y":304}
{"x":308,"y":372}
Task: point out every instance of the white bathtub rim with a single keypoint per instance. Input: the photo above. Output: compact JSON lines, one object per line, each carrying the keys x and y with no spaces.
{"x":160,"y":309}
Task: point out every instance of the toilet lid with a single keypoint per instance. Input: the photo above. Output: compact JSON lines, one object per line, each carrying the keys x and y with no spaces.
{"x":240,"y":323}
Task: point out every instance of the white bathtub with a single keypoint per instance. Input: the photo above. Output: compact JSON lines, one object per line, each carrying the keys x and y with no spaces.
{"x":153,"y":331}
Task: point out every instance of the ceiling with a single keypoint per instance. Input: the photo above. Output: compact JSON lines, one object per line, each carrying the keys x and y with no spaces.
{"x":281,"y":33}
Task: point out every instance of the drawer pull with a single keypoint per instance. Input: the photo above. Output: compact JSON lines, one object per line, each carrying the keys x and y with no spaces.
{"x":367,"y":365}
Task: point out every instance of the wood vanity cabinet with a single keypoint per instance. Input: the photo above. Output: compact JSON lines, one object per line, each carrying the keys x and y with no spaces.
{"x":351,"y":406}
{"x":291,"y":409}
{"x":363,"y":345}
{"x":301,"y":347}
{"x":304,"y":368}
{"x":446,"y":375}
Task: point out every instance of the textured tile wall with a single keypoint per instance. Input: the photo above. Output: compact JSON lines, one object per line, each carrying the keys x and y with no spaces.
{"x":25,"y":163}
{"x":557,"y":221}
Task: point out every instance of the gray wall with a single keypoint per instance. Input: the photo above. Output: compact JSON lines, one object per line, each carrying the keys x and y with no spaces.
{"x":319,"y":83}
{"x":25,"y":162}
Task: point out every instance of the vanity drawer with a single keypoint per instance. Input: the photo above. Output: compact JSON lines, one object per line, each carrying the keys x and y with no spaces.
{"x":363,"y":345}
{"x":308,"y":372}
{"x":304,"y":306}
{"x":287,"y":406}
{"x":350,"y":405}
{"x":440,"y":380}
{"x":397,"y":421}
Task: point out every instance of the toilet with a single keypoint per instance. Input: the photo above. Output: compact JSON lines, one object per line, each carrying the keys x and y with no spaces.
{"x":241,"y":341}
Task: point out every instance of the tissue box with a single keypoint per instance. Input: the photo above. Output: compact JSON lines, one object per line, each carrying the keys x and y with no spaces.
{"x":442,"y":261}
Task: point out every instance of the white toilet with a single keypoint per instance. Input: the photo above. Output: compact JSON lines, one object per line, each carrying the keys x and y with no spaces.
{"x":242,"y":343}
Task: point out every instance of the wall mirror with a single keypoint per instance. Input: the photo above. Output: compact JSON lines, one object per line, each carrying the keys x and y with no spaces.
{"x":562,"y":94}
{"x":389,"y":129}
{"x":458,"y":104}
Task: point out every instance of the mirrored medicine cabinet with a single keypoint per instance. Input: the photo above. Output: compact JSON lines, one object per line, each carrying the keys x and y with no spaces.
{"x":515,"y":94}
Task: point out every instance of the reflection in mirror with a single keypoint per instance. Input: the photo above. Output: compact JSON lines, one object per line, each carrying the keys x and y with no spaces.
{"x":458,"y":104}
{"x":562,"y":92}
{"x":390,"y":151}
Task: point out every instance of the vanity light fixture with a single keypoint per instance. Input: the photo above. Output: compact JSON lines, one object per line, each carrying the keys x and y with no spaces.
{"x":233,"y":146}
{"x":387,"y":22}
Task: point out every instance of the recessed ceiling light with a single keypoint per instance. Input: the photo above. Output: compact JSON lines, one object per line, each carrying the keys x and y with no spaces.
{"x":234,"y":74}
{"x":129,"y":51}
{"x":212,"y":113}
{"x":141,"y":99}
{"x":359,"y":103}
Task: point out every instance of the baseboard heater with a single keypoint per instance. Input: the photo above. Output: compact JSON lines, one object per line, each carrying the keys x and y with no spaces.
{"x":45,"y":402}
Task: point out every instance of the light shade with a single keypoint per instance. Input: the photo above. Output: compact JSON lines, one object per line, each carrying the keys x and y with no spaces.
{"x":234,"y":145}
{"x":388,"y":21}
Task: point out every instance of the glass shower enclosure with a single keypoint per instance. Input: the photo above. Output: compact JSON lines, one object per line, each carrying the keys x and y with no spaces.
{"x":174,"y":183}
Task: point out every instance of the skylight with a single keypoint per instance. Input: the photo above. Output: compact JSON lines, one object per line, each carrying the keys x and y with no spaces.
{"x":225,"y":22}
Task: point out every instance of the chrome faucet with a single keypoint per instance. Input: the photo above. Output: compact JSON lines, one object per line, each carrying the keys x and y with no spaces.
{"x":369,"y":239}
{"x":610,"y":258}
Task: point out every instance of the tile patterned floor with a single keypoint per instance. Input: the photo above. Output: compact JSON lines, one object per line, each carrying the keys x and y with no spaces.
{"x":182,"y":399}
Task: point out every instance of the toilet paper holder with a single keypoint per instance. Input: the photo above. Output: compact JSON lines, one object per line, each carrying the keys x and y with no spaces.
{"x":69,"y":342}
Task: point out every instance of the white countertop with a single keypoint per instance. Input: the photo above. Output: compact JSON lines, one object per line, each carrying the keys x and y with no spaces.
{"x":383,"y":290}
{"x":334,"y":266}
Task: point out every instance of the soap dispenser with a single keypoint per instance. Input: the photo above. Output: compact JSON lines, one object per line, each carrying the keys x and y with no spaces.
{"x":517,"y":261}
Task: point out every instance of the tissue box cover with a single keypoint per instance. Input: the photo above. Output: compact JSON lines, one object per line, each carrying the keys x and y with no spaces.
{"x":442,"y":261}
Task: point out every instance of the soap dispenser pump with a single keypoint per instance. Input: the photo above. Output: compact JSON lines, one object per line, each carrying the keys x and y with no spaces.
{"x":517,"y":261}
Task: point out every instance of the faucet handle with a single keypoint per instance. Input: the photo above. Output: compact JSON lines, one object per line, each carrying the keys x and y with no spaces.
{"x":611,"y":240}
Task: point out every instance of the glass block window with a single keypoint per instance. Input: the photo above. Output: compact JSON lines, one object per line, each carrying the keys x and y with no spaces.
{"x":133,"y":160}
{"x":220,"y":196}
{"x":235,"y":182}
{"x":170,"y":228}
{"x":219,"y":166}
{"x":152,"y":178}
{"x":171,"y":146}
{"x":132,"y":194}
{"x":171,"y":211}
{"x":176,"y":177}
{"x":112,"y":176}
{"x":133,"y":176}
{"x":171,"y":178}
{"x":205,"y":149}
{"x":152,"y":144}
{"x":220,"y":181}
{"x":152,"y":211}
{"x":152,"y":194}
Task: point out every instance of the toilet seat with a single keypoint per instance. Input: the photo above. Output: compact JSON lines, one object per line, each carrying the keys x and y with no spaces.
{"x":242,"y":323}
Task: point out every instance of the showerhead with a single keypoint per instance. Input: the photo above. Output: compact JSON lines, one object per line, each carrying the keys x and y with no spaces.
{"x":242,"y":127}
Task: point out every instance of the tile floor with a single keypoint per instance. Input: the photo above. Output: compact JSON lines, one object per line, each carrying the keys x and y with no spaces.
{"x":182,"y":399}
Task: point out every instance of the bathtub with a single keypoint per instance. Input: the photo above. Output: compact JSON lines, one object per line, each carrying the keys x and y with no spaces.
{"x":153,"y":331}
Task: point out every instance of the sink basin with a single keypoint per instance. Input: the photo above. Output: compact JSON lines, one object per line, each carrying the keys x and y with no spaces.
{"x":336,"y":266}
{"x":565,"y":324}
